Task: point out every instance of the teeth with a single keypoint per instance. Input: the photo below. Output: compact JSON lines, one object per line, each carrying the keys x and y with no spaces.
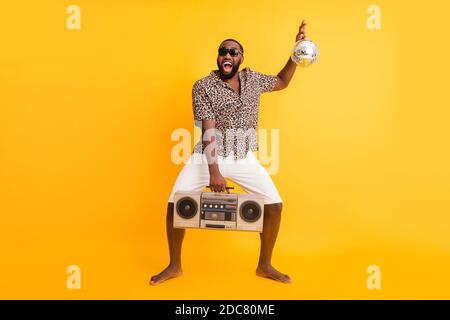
{"x":227,"y":63}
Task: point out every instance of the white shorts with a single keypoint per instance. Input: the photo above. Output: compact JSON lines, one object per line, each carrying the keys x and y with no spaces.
{"x":248,"y":173}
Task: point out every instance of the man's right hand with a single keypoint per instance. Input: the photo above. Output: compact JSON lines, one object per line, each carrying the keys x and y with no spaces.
{"x":217,"y":182}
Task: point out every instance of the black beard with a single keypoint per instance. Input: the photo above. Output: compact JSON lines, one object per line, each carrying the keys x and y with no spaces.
{"x":224,"y":76}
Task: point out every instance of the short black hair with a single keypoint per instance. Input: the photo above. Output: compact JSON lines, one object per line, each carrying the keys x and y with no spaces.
{"x":240,"y":45}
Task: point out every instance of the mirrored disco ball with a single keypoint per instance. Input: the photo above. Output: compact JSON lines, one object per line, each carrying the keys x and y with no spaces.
{"x":305,"y":53}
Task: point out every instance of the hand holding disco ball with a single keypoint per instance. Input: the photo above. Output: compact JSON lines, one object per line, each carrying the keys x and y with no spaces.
{"x":305,"y":52}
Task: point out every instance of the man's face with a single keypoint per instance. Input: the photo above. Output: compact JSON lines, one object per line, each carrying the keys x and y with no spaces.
{"x":227,"y":64}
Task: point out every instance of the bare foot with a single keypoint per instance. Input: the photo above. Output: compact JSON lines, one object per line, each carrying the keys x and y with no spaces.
{"x":272,"y":273}
{"x":168,"y":273}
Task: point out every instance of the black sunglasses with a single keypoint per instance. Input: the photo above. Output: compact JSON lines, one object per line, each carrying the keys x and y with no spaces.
{"x":233,"y":52}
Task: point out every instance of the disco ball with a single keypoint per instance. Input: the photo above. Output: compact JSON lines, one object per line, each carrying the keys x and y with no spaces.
{"x":305,"y":53}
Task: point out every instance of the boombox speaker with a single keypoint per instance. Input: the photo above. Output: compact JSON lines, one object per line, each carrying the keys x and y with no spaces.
{"x":216,"y":210}
{"x":250,"y":213}
{"x":186,"y":210}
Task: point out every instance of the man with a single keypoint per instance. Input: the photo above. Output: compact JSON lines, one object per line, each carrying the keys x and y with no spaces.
{"x":227,"y":102}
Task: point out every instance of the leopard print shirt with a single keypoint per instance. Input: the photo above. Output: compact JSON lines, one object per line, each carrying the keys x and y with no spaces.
{"x":236,"y":114}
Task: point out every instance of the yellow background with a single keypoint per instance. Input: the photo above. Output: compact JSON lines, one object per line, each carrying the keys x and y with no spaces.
{"x":85,"y":123}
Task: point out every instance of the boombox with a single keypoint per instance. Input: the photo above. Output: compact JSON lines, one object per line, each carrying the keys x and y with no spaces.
{"x":215,"y":210}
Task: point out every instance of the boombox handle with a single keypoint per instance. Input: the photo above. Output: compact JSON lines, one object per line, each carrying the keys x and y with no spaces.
{"x":228,"y":188}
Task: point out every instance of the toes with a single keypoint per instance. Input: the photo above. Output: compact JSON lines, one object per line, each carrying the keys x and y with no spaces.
{"x":274,"y":275}
{"x":154,"y":280}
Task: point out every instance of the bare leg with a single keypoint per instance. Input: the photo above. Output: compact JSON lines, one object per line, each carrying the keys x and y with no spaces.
{"x":272,"y":218}
{"x":175,"y":239}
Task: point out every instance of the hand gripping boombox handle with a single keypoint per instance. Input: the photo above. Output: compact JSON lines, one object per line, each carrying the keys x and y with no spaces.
{"x":228,"y":188}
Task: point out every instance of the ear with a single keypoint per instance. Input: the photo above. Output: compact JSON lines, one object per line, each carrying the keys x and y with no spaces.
{"x":242,"y":59}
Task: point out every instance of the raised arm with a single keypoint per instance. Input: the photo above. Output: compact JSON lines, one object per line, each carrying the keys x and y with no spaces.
{"x":285,"y":75}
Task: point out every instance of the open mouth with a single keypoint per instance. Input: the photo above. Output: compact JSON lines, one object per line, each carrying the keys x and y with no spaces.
{"x":227,"y":66}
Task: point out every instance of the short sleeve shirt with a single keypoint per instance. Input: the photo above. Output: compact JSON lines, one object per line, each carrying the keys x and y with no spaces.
{"x":236,"y":114}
